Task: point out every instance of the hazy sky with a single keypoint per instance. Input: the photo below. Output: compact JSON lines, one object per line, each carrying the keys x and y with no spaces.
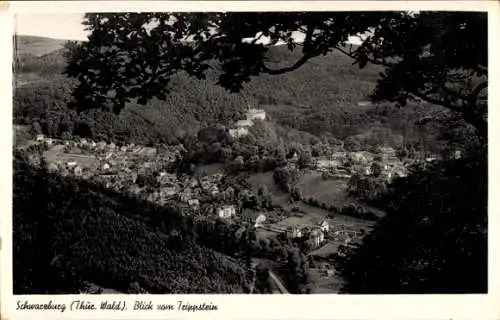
{"x":60,"y":26}
{"x":63,"y":26}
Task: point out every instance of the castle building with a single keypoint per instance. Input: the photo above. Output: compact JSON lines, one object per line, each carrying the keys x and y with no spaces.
{"x":256,"y":114}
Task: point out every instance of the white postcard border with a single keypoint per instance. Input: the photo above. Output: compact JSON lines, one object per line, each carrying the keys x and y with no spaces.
{"x":256,"y":306}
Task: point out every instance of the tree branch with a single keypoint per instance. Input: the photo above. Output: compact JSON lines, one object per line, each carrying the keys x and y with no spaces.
{"x":429,"y":99}
{"x":306,"y":56}
{"x":470,"y":99}
{"x":308,"y":39}
{"x":373,"y":61}
{"x":470,"y":112}
{"x":475,"y":93}
{"x":257,"y":38}
{"x":295,"y":66}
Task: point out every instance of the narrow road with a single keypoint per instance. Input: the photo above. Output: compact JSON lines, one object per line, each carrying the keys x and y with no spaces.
{"x":278,"y":283}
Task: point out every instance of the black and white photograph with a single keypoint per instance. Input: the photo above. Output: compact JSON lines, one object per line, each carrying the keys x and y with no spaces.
{"x":250,"y":152}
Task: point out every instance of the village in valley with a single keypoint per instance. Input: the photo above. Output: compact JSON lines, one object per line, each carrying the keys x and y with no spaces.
{"x":149,"y":173}
{"x":304,"y":152}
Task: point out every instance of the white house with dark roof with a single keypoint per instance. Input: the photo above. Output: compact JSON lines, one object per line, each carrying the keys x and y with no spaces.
{"x":254,"y":217}
{"x":226,"y":212}
{"x":242,"y":128}
{"x":323,"y":163}
{"x":323,"y":225}
{"x":194,"y":203}
{"x":78,"y":171}
{"x":316,"y":237}
{"x":294,"y":232}
{"x":256,"y":114}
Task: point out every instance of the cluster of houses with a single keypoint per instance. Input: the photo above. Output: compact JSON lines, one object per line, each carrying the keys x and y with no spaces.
{"x":105,"y":150}
{"x":343,"y":164}
{"x":252,"y":217}
{"x":66,"y":168}
{"x":242,"y":127}
{"x":105,"y":158}
{"x":168,"y":186}
{"x":102,"y":146}
{"x":193,"y":189}
{"x":314,"y":234}
{"x":121,"y":167}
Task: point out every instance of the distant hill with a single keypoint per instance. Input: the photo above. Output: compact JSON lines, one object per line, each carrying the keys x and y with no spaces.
{"x":320,"y":98}
{"x":37,"y":46}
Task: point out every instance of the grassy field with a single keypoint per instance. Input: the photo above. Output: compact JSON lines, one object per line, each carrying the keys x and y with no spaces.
{"x":56,"y":154}
{"x":332,"y":191}
{"x":26,"y":79}
{"x":330,"y":248}
{"x":266,"y":179}
{"x":329,"y":191}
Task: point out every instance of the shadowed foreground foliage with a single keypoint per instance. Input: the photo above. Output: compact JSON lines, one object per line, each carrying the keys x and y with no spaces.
{"x":434,"y":237}
{"x":438,"y":57}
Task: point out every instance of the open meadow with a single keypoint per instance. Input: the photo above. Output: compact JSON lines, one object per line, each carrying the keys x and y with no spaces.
{"x":332,"y":191}
{"x":57,"y":153}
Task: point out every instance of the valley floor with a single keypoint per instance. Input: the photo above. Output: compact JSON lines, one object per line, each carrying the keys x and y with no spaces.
{"x":331,"y":191}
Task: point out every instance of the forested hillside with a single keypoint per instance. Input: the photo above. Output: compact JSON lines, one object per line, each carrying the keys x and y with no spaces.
{"x":37,"y":46}
{"x":68,"y":232}
{"x":319,"y":98}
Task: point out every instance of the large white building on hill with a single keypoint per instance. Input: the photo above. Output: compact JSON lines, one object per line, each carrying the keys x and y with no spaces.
{"x":256,"y":114}
{"x":242,"y":126}
{"x":244,"y":123}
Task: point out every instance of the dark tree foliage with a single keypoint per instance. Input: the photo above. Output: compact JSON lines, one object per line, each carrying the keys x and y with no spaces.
{"x":441,"y":59}
{"x":125,"y":60}
{"x":434,"y":237}
{"x":296,"y":272}
{"x":286,"y":178}
{"x":368,"y":189}
{"x":438,"y":57}
{"x":67,"y":231}
{"x":263,"y":281}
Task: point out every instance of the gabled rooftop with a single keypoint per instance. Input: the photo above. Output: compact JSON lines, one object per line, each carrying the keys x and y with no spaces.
{"x":244,"y":123}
